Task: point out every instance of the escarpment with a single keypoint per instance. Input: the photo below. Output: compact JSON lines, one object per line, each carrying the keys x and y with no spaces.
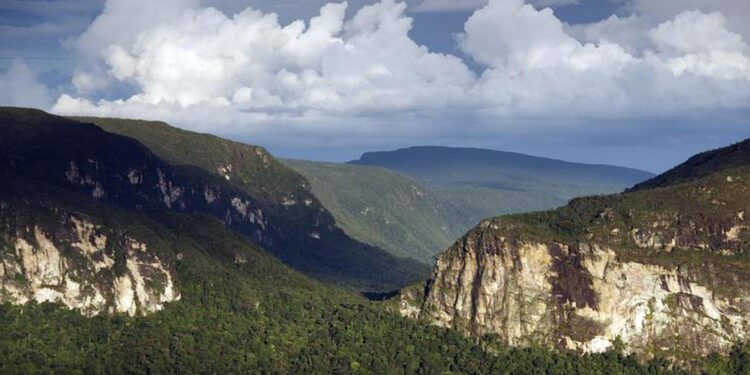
{"x":48,"y":254}
{"x":163,"y":169}
{"x":663,"y":272}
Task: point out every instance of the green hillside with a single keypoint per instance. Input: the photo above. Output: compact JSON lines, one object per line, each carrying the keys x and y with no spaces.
{"x":702,"y":165}
{"x":241,"y":309}
{"x":299,"y":230}
{"x":485,"y":183}
{"x":257,"y":317}
{"x":384,"y":208}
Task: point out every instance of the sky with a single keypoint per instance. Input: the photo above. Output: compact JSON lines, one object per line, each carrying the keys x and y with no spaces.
{"x":638,"y":83}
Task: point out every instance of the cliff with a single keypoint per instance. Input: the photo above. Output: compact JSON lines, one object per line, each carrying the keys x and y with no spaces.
{"x":166,"y":169}
{"x":663,"y":271}
{"x":49,"y":254}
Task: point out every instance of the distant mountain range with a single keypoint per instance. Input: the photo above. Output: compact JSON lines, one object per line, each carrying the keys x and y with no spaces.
{"x":385,"y":208}
{"x":414,"y":202}
{"x":484,"y":183}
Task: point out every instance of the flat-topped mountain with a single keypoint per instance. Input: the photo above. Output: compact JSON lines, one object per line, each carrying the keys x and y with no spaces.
{"x":505,"y":169}
{"x":661,"y":271}
{"x":484,"y":183}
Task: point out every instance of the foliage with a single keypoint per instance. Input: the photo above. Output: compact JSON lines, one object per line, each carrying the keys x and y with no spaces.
{"x":385,"y":208}
{"x":485,"y":183}
{"x":261,"y":317}
{"x":38,"y":147}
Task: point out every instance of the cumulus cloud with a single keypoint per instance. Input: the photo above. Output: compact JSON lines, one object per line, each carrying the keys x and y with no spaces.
{"x":252,"y":63}
{"x":535,"y":68}
{"x":19,"y":87}
{"x":701,"y":44}
{"x":363,"y":75}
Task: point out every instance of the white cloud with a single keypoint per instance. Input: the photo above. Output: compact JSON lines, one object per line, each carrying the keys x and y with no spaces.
{"x":363,"y":77}
{"x":201,"y":56}
{"x":512,"y":35}
{"x":700,"y":44}
{"x":19,"y":87}
{"x":536,"y":70}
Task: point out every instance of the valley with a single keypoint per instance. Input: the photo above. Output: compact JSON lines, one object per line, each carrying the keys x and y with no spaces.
{"x":135,"y":247}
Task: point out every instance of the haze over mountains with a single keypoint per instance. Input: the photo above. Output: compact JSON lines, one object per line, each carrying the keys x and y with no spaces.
{"x":385,"y":208}
{"x":484,"y":183}
{"x":415,"y":202}
{"x":135,"y":247}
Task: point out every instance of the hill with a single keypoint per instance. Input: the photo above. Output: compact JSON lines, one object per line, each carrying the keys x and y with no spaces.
{"x":659,"y":271}
{"x":111,"y":263}
{"x":484,"y":183}
{"x":289,"y":220}
{"x":702,"y":165}
{"x":384,"y":208}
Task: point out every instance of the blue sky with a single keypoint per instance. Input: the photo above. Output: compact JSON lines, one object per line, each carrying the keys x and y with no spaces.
{"x":630,"y":82}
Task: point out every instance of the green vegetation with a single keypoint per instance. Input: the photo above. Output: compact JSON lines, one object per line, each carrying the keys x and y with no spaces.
{"x":250,"y":168}
{"x":258,"y":316}
{"x":385,"y":208}
{"x":484,"y":183}
{"x":241,"y":185}
{"x":419,"y":218}
{"x":702,"y":165}
{"x":476,"y":203}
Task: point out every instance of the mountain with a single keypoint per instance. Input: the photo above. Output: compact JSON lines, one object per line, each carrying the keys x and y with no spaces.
{"x":254,"y":193}
{"x":384,"y":208}
{"x":702,"y":165}
{"x":114,"y":261}
{"x":662,"y":270}
{"x":486,"y":183}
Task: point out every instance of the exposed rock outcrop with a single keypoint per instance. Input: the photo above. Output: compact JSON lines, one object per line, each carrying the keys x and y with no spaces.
{"x":663,"y":272}
{"x":85,"y":266}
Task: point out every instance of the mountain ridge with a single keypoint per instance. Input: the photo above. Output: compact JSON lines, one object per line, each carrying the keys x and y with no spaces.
{"x":431,"y":154}
{"x":662,"y":271}
{"x":122,"y":170}
{"x":385,"y":208}
{"x":485,"y":183}
{"x":701,"y":165}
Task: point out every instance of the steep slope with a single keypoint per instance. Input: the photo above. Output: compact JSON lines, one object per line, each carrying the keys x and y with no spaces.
{"x":385,"y":208}
{"x":243,"y":311}
{"x":122,"y":171}
{"x":53,"y":252}
{"x":702,"y":165}
{"x":664,"y":271}
{"x":484,"y":183}
{"x":105,"y":238}
{"x":300,"y":231}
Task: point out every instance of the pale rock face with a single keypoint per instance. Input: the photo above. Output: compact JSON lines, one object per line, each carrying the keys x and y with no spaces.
{"x":245,"y":210}
{"x":170,"y":193}
{"x":583,"y":298}
{"x":225,"y":171}
{"x":135,"y":177}
{"x":82,"y":276}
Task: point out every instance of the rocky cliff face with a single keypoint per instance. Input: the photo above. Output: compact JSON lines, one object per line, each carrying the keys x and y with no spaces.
{"x":662,"y":271}
{"x":59,"y":256}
